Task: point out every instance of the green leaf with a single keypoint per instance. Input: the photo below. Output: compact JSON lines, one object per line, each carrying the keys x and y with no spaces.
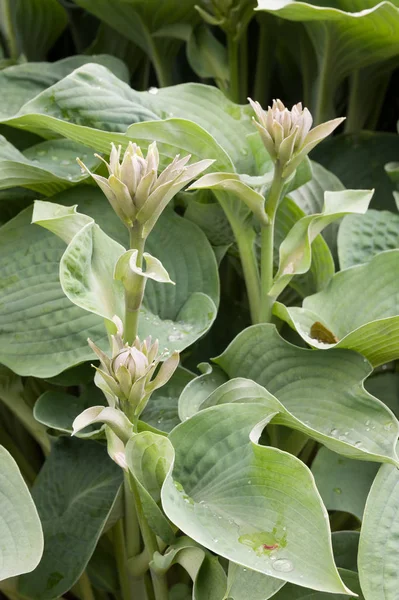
{"x":48,"y":167}
{"x":310,"y":198}
{"x":358,"y":308}
{"x":162,"y":411}
{"x":23,"y":82}
{"x":293,"y":592}
{"x":74,"y":494}
{"x":322,"y":264}
{"x":322,"y":390}
{"x":220,"y":471}
{"x":37,"y":24}
{"x":343,"y":39}
{"x":244,"y":583}
{"x":206,"y":572}
{"x":58,"y":410}
{"x":149,"y":457}
{"x":378,"y":537}
{"x":207,"y":56}
{"x":345,"y":547}
{"x":343,"y":483}
{"x":21,"y":537}
{"x":295,"y":251}
{"x":361,"y":237}
{"x":42,"y":333}
{"x":359,"y":161}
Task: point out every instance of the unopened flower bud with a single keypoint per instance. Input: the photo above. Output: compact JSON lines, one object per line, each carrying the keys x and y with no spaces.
{"x":133,"y":360}
{"x":287,"y":134}
{"x":133,"y":187}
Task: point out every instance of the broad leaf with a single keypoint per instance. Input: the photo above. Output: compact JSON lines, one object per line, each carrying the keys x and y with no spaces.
{"x":243,"y":583}
{"x":378,"y":538}
{"x":43,"y":333}
{"x":344,"y":39}
{"x":293,"y":592}
{"x":295,"y":251}
{"x":343,"y":483}
{"x":23,"y":82}
{"x":47,"y":168}
{"x":220,"y":472}
{"x":322,"y":390}
{"x":358,"y":310}
{"x":361,"y":237}
{"x":21,"y":537}
{"x":74,"y":495}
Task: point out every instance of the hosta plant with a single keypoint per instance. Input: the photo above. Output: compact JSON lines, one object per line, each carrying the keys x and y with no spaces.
{"x":199,"y":323}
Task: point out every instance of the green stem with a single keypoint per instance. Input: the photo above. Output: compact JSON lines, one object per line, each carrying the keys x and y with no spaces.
{"x":267,"y":246}
{"x":10,"y":34}
{"x":234,"y":68}
{"x":85,"y":589}
{"x":352,"y":122}
{"x":121,"y":559}
{"x":134,"y":296}
{"x":246,"y":248}
{"x":150,"y":542}
{"x":132,"y":528}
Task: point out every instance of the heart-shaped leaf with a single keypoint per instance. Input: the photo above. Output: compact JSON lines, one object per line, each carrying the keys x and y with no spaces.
{"x":43,"y":333}
{"x":324,"y":391}
{"x":343,"y":483}
{"x":378,"y":545}
{"x":358,"y":310}
{"x":361,"y":237}
{"x":78,"y":484}
{"x":23,"y":82}
{"x":21,"y":537}
{"x":220,"y":471}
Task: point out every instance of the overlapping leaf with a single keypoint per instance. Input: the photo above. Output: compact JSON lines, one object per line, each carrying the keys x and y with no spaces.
{"x":220,"y":472}
{"x":74,"y":494}
{"x":361,"y":237}
{"x":43,"y":333}
{"x":378,"y":545}
{"x":321,"y":390}
{"x":21,"y":537}
{"x":358,"y":310}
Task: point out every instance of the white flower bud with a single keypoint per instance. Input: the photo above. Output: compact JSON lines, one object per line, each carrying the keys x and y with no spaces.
{"x":287,"y":134}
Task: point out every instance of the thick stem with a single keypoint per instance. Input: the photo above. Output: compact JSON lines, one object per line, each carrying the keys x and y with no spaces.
{"x":353,"y":123}
{"x":243,"y":66}
{"x":134,"y":296}
{"x":159,"y":582}
{"x":267,"y":246}
{"x":234,"y":68}
{"x":324,"y":89}
{"x":121,"y":560}
{"x":131,"y":523}
{"x":246,"y":247}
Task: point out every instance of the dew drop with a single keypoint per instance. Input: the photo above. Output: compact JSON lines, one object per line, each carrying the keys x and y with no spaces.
{"x":388,"y":426}
{"x":334,"y":432}
{"x":41,"y":152}
{"x":358,"y":444}
{"x":153,"y":90}
{"x":367,"y":422}
{"x":249,"y":482}
{"x":338,"y":490}
{"x":175,"y":337}
{"x":283,"y":565}
{"x":65,"y":162}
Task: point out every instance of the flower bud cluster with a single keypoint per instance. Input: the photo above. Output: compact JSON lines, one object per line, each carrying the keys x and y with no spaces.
{"x":131,"y":375}
{"x":135,"y":191}
{"x":287,"y":134}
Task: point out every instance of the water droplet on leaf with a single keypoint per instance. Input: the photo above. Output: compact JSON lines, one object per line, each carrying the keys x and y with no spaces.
{"x":284,"y":565}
